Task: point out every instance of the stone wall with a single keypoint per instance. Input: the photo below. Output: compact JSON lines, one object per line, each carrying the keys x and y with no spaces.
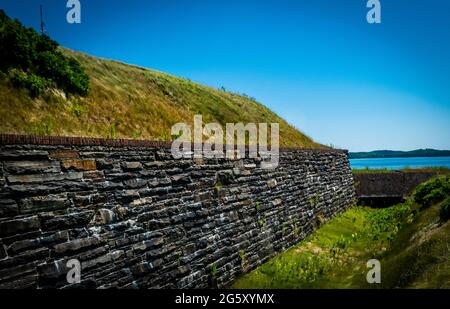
{"x":136,"y":218}
{"x":386,"y":189}
{"x":396,"y":183}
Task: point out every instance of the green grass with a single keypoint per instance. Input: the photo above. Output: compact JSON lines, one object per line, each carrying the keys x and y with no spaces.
{"x":411,"y":242}
{"x":127,"y":101}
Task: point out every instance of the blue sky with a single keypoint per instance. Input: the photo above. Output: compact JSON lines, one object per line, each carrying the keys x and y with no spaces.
{"x":318,"y":64}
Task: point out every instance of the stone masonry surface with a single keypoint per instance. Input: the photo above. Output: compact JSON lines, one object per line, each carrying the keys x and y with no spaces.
{"x":137,"y":218}
{"x":389,"y":184}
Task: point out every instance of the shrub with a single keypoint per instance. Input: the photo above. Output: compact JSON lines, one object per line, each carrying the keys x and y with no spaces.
{"x":432,"y":191}
{"x":445,"y":210}
{"x":23,"y":49}
{"x":35,"y":84}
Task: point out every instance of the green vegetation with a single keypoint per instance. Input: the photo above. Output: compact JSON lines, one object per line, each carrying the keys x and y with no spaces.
{"x":258,"y":206}
{"x":432,"y":191}
{"x":123,"y":101}
{"x":214,"y":270}
{"x":34,"y":62}
{"x":411,"y":242}
{"x":400,"y":154}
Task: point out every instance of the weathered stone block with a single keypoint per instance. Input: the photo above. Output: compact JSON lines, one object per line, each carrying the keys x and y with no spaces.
{"x":2,"y":251}
{"x":272,"y":183}
{"x":20,"y":155}
{"x":277,"y":202}
{"x":132,"y":166}
{"x":23,"y":245}
{"x":135,"y":183}
{"x":109,"y":185}
{"x":67,"y":221}
{"x":47,"y":203}
{"x":181,"y":179}
{"x":27,"y":282}
{"x":42,"y":178}
{"x":225,"y":177}
{"x":142,"y":268}
{"x":79,"y":165}
{"x":53,"y":270}
{"x":8,"y":208}
{"x":17,"y":272}
{"x":94,"y":175}
{"x":18,"y":226}
{"x":121,"y":213}
{"x":144,"y":245}
{"x":104,"y":216}
{"x":32,"y":167}
{"x":141,"y":202}
{"x":162,"y":182}
{"x":87,"y":198}
{"x":128,"y":195}
{"x":64,"y":154}
{"x":105,"y":259}
{"x":202,"y":197}
{"x":104,"y":164}
{"x":77,"y":244}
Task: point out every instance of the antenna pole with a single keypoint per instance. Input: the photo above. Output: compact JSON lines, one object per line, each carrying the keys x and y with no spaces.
{"x":42,"y":21}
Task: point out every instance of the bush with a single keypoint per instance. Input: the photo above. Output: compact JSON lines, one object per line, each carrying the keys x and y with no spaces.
{"x":38,"y":57}
{"x":35,"y":84}
{"x":65,"y":71}
{"x":432,"y":191}
{"x":445,"y":210}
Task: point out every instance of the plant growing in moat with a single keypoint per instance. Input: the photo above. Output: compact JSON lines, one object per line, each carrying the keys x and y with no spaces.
{"x":218,"y":186}
{"x":314,"y":200}
{"x":261,"y":222}
{"x":242,"y":254}
{"x":258,"y":206}
{"x":243,"y":258}
{"x":283,"y":229}
{"x":214,"y":270}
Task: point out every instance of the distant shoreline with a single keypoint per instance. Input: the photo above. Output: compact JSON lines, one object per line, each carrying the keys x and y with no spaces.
{"x":400,"y":163}
{"x":419,"y":153}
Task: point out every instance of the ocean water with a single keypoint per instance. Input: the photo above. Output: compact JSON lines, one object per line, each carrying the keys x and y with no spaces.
{"x":399,"y":163}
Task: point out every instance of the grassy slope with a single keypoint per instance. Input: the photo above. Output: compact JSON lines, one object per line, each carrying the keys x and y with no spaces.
{"x":412,"y":246}
{"x":131,"y":102}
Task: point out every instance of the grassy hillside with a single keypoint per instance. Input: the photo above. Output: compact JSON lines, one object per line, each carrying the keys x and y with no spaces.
{"x":400,"y":154}
{"x":411,"y":241}
{"x":131,"y":102}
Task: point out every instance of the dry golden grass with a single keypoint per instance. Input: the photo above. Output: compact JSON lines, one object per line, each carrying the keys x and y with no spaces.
{"x":131,"y":102}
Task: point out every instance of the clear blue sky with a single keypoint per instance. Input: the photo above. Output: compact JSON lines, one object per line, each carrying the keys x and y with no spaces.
{"x":318,"y":64}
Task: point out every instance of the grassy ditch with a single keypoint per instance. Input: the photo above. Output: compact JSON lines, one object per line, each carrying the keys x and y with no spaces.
{"x":411,"y":240}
